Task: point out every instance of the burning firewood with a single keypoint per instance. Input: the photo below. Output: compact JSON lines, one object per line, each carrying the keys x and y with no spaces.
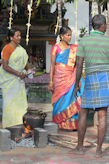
{"x":34,"y":118}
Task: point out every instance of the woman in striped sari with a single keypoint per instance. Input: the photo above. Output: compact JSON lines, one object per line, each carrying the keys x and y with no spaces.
{"x":12,"y":73}
{"x":62,"y":82}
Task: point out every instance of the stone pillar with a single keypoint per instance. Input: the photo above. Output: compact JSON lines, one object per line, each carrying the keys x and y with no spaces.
{"x":40,"y":137}
{"x":5,"y":140}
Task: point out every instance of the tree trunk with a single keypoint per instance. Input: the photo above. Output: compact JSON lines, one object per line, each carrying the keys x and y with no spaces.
{"x":108,"y":17}
{"x":59,"y":13}
{"x":99,"y":8}
{"x":90,"y":16}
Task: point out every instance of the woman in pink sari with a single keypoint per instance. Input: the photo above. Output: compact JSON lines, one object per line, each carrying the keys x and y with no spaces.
{"x":62,"y":82}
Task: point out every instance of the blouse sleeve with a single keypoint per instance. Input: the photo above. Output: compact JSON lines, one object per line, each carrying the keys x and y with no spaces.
{"x":54,"y":50}
{"x":74,"y":46}
{"x":7,"y":51}
{"x":74,"y":49}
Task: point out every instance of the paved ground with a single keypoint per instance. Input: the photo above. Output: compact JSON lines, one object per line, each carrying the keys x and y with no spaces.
{"x":58,"y":154}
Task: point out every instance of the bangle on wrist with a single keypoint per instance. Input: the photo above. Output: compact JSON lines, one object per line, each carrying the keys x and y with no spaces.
{"x":51,"y":82}
{"x":20,"y":73}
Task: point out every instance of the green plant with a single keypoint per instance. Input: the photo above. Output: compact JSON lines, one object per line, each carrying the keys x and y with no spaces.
{"x":83,"y":32}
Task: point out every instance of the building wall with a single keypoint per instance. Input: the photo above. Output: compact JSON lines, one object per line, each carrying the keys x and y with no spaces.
{"x":48,"y":56}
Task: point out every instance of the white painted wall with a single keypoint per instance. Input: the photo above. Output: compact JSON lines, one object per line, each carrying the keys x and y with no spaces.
{"x":48,"y":56}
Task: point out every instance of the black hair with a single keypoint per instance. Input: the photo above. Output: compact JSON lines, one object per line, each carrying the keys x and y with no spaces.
{"x":11,"y":33}
{"x":98,"y":20}
{"x":64,"y":30}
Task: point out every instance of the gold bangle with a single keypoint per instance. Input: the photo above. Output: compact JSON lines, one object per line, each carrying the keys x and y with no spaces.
{"x":50,"y":82}
{"x":20,"y":73}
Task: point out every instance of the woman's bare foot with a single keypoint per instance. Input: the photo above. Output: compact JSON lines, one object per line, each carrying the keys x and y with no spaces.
{"x":98,"y":153}
{"x":79,"y":150}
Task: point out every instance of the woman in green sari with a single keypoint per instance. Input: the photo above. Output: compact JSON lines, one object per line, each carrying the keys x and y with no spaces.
{"x":12,"y":73}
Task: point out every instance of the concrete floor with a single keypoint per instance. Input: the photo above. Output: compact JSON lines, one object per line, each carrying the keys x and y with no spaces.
{"x":58,"y":154}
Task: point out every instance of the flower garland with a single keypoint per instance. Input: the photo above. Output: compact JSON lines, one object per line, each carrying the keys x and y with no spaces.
{"x":76,"y":25}
{"x":34,"y":8}
{"x":10,"y":18}
{"x":94,"y":8}
{"x":28,"y":24}
{"x":57,"y":25}
{"x":56,"y":30}
{"x":29,"y":18}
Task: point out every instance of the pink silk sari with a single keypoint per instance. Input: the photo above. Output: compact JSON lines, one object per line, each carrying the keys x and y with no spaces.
{"x":64,"y":78}
{"x":65,"y":106}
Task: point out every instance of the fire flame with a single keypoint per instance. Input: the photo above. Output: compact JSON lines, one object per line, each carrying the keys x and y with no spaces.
{"x":27,"y":130}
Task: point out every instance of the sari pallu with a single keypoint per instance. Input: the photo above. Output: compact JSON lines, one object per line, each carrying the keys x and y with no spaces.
{"x":65,"y":106}
{"x":13,"y":89}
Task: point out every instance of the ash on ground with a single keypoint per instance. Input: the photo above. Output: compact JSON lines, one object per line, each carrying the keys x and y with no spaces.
{"x":27,"y":142}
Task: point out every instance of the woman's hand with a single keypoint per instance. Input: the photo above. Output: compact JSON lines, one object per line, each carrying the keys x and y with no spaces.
{"x":77,"y":89}
{"x":22,"y":75}
{"x":50,"y":87}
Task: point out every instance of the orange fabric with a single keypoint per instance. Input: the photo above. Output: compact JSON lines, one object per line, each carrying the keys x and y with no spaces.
{"x":7,"y":51}
{"x":69,"y":125}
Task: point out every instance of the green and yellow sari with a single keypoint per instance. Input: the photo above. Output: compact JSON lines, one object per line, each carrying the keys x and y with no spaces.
{"x":13,"y":89}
